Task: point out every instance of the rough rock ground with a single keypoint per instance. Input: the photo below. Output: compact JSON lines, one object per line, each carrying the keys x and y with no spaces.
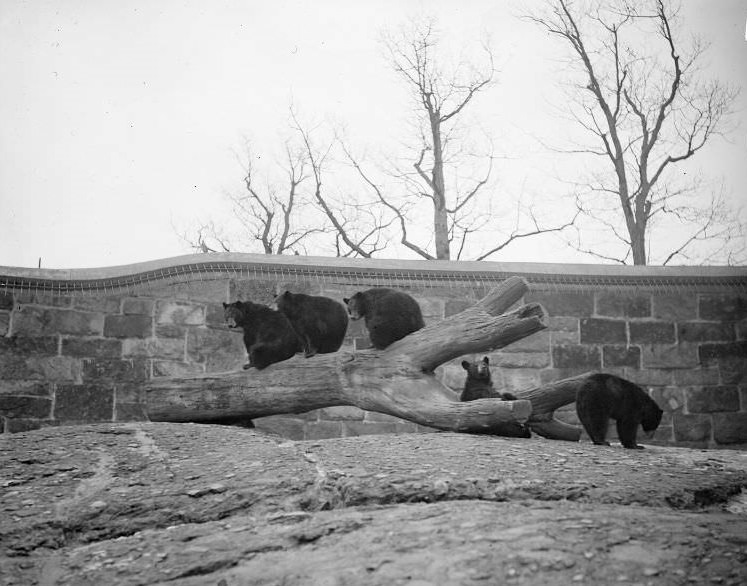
{"x":201,"y":504}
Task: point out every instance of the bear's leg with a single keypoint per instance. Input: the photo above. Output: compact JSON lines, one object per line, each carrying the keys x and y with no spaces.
{"x":627,"y":428}
{"x":308,"y":348}
{"x":594,"y":416}
{"x":258,"y":358}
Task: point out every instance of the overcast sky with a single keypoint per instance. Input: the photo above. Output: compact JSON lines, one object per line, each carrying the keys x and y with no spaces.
{"x":118,"y":118}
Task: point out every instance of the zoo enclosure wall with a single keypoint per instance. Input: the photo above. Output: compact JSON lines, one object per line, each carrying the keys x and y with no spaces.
{"x":76,"y":346}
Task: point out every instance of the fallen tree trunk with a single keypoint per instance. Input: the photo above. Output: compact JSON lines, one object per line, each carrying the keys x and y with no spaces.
{"x":398,"y":381}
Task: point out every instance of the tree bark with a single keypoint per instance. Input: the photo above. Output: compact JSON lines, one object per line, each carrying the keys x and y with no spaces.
{"x":398,"y":381}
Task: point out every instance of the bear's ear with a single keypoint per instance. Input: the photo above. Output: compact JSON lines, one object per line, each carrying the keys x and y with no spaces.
{"x":287,"y":295}
{"x":486,"y":360}
{"x":465,"y":365}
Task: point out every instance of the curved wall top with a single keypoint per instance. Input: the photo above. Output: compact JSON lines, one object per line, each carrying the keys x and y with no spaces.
{"x":436,"y":273}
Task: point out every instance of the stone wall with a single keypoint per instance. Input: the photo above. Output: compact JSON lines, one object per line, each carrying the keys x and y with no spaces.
{"x":76,"y":346}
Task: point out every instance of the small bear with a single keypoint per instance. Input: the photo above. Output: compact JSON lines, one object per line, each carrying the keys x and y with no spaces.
{"x":479,"y":383}
{"x":320,"y":322}
{"x":268,"y":335}
{"x":390,"y":315}
{"x":604,"y":396}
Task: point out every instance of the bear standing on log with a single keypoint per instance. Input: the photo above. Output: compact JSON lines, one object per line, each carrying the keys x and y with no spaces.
{"x":320,"y":322}
{"x":390,"y":315}
{"x":268,"y":335}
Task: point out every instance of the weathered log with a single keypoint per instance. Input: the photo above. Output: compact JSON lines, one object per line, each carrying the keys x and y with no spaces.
{"x":545,"y":400}
{"x":398,"y":381}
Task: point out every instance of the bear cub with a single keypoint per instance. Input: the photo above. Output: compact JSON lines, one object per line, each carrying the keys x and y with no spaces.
{"x":320,"y":322}
{"x":604,"y":396}
{"x":390,"y":315}
{"x":479,"y":384}
{"x":268,"y":335}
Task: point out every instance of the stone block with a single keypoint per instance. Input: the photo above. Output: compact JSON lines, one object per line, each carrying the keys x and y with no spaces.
{"x":577,"y":357}
{"x":174,"y":312}
{"x":130,"y":412}
{"x":563,"y":324}
{"x":730,"y":428}
{"x":692,"y":428}
{"x":519,"y":379}
{"x":705,"y":332}
{"x":603,"y":331}
{"x":4,"y":323}
{"x":193,"y":290}
{"x":28,"y":388}
{"x":218,"y":350}
{"x":288,"y":427}
{"x":21,"y":425}
{"x":25,"y":407}
{"x":92,"y":347}
{"x":537,"y":342}
{"x":96,"y":303}
{"x":258,"y":290}
{"x":84,"y":403}
{"x":170,"y":348}
{"x":454,"y":306}
{"x":651,"y":332}
{"x":128,"y":326}
{"x":53,"y":368}
{"x":323,"y":430}
{"x":669,"y":398}
{"x":358,"y":428}
{"x":114,"y":370}
{"x":742,"y":329}
{"x":171,"y":331}
{"x":629,"y":356}
{"x":42,"y":321}
{"x":695,"y":377}
{"x":342,"y":412}
{"x":722,"y":307}
{"x":432,"y":308}
{"x":564,"y":338}
{"x":129,"y":393}
{"x":137,"y":306}
{"x":42,"y":298}
{"x":171,"y":368}
{"x":520,"y":359}
{"x":712,"y":399}
{"x":620,"y":304}
{"x":649,"y":377}
{"x":28,"y":345}
{"x":214,"y":315}
{"x":669,"y":356}
{"x":6,"y":301}
{"x":710,"y":353}
{"x":578,"y":304}
{"x":675,"y":307}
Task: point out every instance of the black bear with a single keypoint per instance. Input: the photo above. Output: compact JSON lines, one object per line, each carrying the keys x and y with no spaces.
{"x":479,"y":383}
{"x":320,"y":322}
{"x":390,"y":315}
{"x":604,"y":396}
{"x":268,"y":335}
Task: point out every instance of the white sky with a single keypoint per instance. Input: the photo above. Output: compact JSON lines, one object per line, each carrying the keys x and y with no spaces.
{"x":118,"y":118}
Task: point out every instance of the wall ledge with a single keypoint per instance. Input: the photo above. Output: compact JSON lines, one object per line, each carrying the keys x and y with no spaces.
{"x":436,"y":273}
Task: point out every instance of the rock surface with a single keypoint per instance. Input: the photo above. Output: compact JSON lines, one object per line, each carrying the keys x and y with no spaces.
{"x":193,"y":504}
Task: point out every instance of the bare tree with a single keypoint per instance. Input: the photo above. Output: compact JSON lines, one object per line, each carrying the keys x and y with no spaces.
{"x":359,"y":230}
{"x":641,"y":98}
{"x":269,"y":211}
{"x":440,"y":95}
